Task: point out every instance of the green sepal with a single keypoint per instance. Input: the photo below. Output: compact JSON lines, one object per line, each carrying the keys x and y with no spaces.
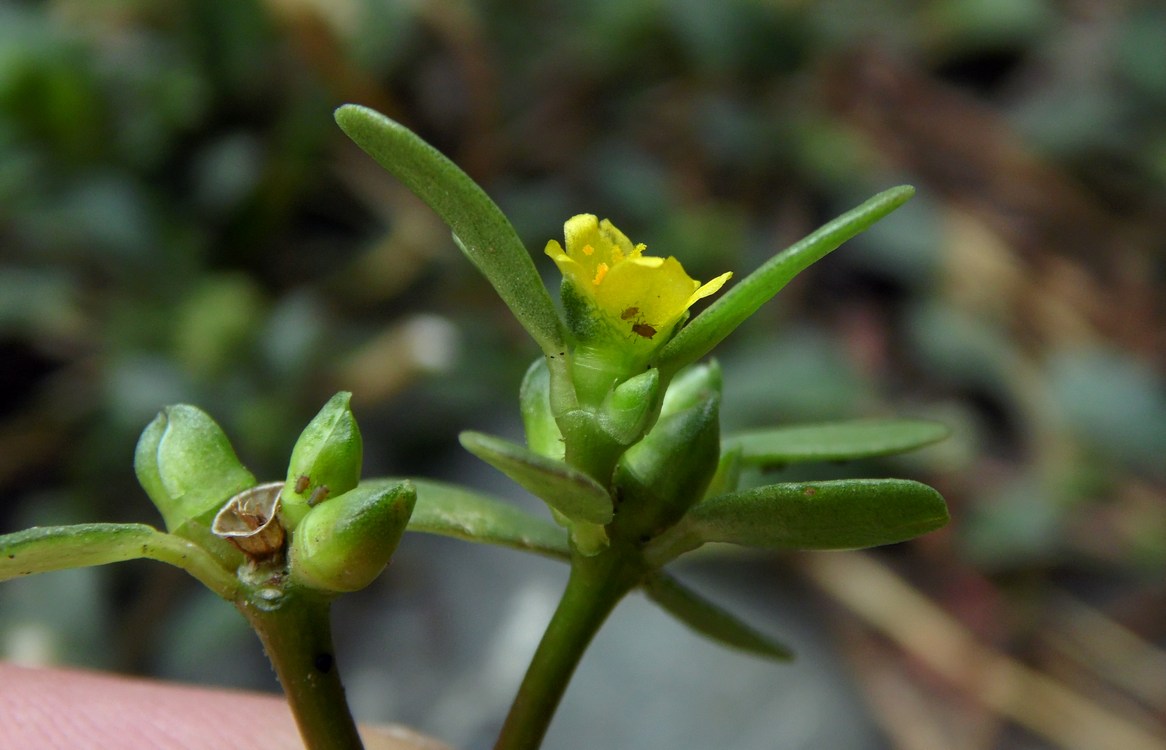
{"x":561,"y":486}
{"x":838,"y":514}
{"x":534,"y":399}
{"x":453,"y":511}
{"x":44,"y":549}
{"x":743,"y":299}
{"x":480,"y":228}
{"x":834,"y":441}
{"x":709,"y":619}
{"x":325,"y":462}
{"x":629,"y":406}
{"x":659,"y":478}
{"x":187,"y":466}
{"x":345,"y":543}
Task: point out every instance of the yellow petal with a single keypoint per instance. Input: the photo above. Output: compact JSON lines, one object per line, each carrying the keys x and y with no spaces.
{"x":709,"y":288}
{"x":638,"y":296}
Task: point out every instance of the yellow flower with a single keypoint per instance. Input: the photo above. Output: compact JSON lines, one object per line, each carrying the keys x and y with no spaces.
{"x":639,"y":298}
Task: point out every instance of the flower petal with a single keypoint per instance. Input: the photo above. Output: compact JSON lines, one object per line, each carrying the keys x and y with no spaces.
{"x":709,"y":288}
{"x":634,"y":296}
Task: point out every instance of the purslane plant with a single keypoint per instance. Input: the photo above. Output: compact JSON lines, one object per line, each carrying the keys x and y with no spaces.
{"x":623,"y":443}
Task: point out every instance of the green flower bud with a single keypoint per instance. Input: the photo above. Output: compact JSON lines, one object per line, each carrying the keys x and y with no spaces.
{"x":629,"y":406}
{"x":659,"y":478}
{"x":691,"y":386}
{"x":186,"y":465}
{"x":325,"y":461}
{"x":534,"y":397}
{"x":345,"y":543}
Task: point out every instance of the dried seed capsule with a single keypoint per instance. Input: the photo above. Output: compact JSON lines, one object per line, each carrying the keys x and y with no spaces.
{"x":250,"y":521}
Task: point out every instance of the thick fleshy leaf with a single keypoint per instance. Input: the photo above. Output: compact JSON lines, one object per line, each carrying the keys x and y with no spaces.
{"x":450,"y":510}
{"x":561,"y":486}
{"x":710,"y":620}
{"x":834,"y":441}
{"x":43,"y":549}
{"x":839,"y":514}
{"x":483,"y":233}
{"x":722,"y":317}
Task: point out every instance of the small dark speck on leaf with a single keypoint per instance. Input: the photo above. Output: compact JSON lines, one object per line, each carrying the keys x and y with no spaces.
{"x":810,"y":491}
{"x":323,"y":663}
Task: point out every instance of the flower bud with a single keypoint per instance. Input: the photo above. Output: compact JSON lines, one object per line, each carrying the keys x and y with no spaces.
{"x":629,"y":406}
{"x":187,"y":466}
{"x":345,"y":543}
{"x":659,"y":478}
{"x":690,"y":386}
{"x":534,"y":397}
{"x":325,"y":461}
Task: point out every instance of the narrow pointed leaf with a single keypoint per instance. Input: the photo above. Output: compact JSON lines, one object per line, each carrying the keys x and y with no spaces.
{"x":710,"y":620}
{"x":834,"y":441}
{"x":448,"y":510}
{"x":744,"y":298}
{"x":840,"y":514}
{"x":482,"y":231}
{"x":561,"y":486}
{"x":43,"y":549}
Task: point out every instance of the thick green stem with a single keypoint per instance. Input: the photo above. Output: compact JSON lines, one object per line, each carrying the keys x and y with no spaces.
{"x":297,"y":637}
{"x":596,"y":585}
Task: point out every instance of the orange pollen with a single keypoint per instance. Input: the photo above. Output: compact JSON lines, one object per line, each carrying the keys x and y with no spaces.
{"x":588,"y":250}
{"x":600,"y":272}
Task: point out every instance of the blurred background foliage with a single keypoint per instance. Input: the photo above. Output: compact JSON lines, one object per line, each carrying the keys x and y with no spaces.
{"x":180,"y":220}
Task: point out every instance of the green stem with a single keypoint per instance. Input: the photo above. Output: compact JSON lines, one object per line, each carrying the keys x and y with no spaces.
{"x":595,"y":586}
{"x":297,"y":636}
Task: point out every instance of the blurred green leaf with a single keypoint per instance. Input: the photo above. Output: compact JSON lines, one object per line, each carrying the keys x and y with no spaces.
{"x":450,"y":510}
{"x":1113,"y":403}
{"x":744,"y":298}
{"x":482,"y":231}
{"x":710,"y":620}
{"x":834,"y":441}
{"x":839,"y":514}
{"x":563,"y":487}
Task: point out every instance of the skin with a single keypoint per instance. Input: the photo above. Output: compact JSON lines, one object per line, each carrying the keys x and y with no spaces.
{"x":57,"y":709}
